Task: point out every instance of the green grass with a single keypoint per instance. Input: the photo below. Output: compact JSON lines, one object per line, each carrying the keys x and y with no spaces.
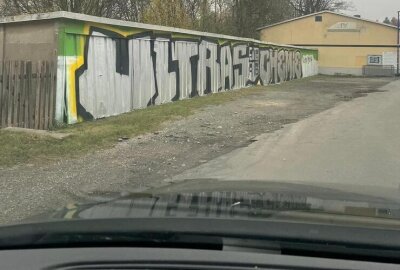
{"x":21,"y":148}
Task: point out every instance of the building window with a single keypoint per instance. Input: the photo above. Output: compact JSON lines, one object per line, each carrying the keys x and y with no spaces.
{"x":376,"y":60}
{"x":318,"y":18}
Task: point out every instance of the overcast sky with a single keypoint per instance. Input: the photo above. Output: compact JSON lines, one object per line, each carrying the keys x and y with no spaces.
{"x":375,"y":9}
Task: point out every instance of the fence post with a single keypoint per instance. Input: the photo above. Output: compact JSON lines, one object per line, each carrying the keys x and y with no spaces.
{"x":32,"y":95}
{"x":42,"y":95}
{"x":10,"y":94}
{"x":4,"y":105}
{"x":52,"y":108}
{"x":21,"y":113}
{"x":15,"y":94}
{"x":46,"y":96}
{"x":37,"y":95}
{"x":26,"y":97}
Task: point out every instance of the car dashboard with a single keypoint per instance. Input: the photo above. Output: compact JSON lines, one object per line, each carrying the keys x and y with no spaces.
{"x":167,"y":258}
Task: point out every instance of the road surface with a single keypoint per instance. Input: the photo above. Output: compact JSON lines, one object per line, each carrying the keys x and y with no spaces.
{"x":357,"y":143}
{"x":145,"y":162}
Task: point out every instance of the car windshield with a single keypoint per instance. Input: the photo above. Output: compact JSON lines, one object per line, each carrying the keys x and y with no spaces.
{"x":229,"y":110}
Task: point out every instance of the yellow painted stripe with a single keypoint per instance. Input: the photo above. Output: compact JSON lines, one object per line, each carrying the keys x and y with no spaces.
{"x":73,"y":108}
{"x":72,"y":100}
{"x":115,"y":29}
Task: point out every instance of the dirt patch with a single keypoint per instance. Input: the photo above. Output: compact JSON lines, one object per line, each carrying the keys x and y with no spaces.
{"x":39,"y":133}
{"x":147,"y":160}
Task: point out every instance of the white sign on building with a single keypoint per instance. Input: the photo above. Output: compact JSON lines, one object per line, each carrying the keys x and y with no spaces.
{"x":344,"y":27}
{"x":376,"y":60}
{"x":389,"y":59}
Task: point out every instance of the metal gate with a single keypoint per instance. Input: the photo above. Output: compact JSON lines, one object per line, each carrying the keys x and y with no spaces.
{"x":379,"y":70}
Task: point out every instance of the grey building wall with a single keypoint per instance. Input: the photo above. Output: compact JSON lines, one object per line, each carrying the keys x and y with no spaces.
{"x":34,"y":41}
{"x":340,"y":71}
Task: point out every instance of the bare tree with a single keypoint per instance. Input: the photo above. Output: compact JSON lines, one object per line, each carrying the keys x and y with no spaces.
{"x":232,"y":17}
{"x":122,"y":9}
{"x":248,"y":15}
{"x":130,"y":10}
{"x":167,"y":13}
{"x":304,"y":7}
{"x":387,"y":21}
{"x":394,"y":21}
{"x":15,"y":7}
{"x":192,"y":8}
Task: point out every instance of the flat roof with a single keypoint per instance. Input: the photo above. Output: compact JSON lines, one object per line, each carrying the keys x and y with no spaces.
{"x":322,"y":12}
{"x":94,"y":19}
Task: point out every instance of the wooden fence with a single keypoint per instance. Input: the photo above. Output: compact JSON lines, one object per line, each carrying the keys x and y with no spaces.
{"x":27,"y":94}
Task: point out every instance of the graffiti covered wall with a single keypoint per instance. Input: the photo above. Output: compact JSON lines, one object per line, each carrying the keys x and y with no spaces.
{"x":108,"y":70}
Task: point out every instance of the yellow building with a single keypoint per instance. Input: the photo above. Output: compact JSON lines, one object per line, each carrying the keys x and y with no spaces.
{"x":346,"y":44}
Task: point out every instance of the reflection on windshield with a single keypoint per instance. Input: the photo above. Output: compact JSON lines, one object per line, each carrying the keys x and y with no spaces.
{"x":224,"y":205}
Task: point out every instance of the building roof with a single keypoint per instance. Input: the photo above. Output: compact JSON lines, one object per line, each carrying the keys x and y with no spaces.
{"x":101,"y":20}
{"x":322,"y":12}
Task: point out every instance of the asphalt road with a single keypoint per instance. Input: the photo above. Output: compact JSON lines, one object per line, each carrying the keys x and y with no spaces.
{"x":357,"y":143}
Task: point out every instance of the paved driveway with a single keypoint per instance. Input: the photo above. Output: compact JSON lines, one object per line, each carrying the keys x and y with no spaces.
{"x":355,"y":143}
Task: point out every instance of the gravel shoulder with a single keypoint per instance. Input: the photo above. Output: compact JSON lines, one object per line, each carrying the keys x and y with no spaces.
{"x":147,"y":161}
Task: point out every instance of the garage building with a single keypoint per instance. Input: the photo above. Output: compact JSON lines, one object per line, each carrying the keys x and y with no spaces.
{"x":346,"y":44}
{"x":64,"y":68}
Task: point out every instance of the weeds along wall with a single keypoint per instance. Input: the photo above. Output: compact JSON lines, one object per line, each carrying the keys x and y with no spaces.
{"x":106,"y":70}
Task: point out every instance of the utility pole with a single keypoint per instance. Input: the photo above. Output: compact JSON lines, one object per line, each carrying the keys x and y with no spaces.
{"x":398,"y":43}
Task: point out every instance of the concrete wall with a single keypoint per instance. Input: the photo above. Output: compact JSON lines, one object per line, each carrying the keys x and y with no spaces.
{"x":36,"y":40}
{"x":107,"y":70}
{"x":341,"y":50}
